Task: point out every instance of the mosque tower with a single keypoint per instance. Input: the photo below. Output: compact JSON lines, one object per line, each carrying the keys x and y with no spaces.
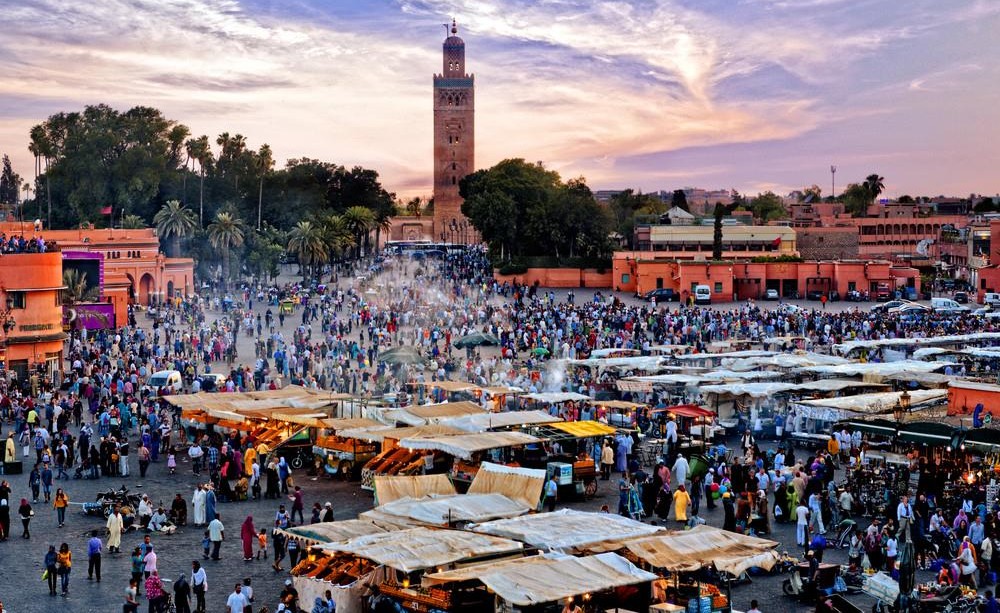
{"x":454,"y":140}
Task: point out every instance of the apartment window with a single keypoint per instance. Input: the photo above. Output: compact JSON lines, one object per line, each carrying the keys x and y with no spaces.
{"x":18,"y":300}
{"x":718,"y":287}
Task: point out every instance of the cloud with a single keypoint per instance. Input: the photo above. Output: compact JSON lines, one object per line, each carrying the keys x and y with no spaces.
{"x":594,"y":88}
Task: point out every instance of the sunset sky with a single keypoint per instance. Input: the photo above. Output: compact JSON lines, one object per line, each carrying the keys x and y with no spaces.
{"x":751,"y":94}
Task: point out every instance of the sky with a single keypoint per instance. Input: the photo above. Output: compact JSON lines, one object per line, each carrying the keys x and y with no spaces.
{"x":647,"y":94}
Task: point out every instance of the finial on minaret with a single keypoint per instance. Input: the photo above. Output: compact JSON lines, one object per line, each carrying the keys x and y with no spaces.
{"x":454,"y":26}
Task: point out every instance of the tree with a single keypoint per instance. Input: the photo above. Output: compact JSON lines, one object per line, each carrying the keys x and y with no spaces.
{"x":76,"y":290}
{"x":175,"y":221}
{"x":413,"y":206}
{"x":307,"y":241}
{"x":874,"y":185}
{"x":200,"y":150}
{"x":225,"y":234}
{"x":856,"y":199}
{"x":768,"y":207}
{"x":814,"y":190}
{"x":10,"y":183}
{"x":265,"y":162}
{"x":679,"y":200}
{"x":906,"y":199}
{"x":626,"y":205}
{"x":522,"y":209}
{"x":359,"y":221}
{"x":338,"y":236}
{"x":134,"y":222}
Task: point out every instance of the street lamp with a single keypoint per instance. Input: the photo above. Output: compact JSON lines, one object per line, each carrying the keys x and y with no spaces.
{"x":904,"y":400}
{"x":7,"y":317}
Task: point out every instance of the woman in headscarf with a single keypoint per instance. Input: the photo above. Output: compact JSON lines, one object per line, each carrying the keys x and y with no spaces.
{"x":198,"y":505}
{"x":273,"y":486}
{"x":4,"y":519}
{"x":248,"y":535}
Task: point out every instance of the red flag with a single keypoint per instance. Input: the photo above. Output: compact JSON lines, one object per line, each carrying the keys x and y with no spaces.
{"x":106,"y":210}
{"x":776,"y":242}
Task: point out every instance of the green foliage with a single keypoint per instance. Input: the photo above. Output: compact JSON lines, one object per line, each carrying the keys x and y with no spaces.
{"x":133,"y":222}
{"x":10,"y":183}
{"x":679,"y":200}
{"x":856,"y":200}
{"x":906,"y":199}
{"x":874,"y":186}
{"x":522,"y":209}
{"x":137,"y":160}
{"x":767,"y":207}
{"x":763,"y":259}
{"x":176,"y":222}
{"x":625,"y":206}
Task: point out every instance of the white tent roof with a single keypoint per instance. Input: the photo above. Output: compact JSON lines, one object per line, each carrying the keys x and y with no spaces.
{"x":549,"y":578}
{"x":749,"y":353}
{"x":464,"y":445}
{"x":566,"y":529}
{"x":974,"y":385}
{"x":769,"y":388}
{"x":877,"y":368}
{"x":555,"y":397}
{"x":882,"y":402}
{"x":609,"y":351}
{"x":849,"y":346}
{"x":784,"y":360}
{"x":420,"y":548}
{"x":333,"y":531}
{"x":440,"y":510}
{"x":641,"y":362}
{"x":489,"y":421}
{"x":704,"y":546}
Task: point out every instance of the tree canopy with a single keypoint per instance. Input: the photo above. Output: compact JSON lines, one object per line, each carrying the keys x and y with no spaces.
{"x":523,"y":209}
{"x":138,"y":160}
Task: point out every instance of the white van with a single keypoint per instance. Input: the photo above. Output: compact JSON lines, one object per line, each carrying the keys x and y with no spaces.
{"x":702,"y":294}
{"x":161,"y":379}
{"x":947,"y":305}
{"x":992,"y":299}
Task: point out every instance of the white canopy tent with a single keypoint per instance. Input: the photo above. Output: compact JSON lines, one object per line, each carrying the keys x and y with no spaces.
{"x":565,"y":530}
{"x":555,"y":397}
{"x":491,"y":421}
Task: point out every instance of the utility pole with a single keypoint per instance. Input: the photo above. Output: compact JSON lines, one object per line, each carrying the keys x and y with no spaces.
{"x":833,"y":175}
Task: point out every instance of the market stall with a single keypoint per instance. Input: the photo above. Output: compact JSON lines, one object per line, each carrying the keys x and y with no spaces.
{"x":568,"y":531}
{"x":507,"y":420}
{"x":469,"y":450}
{"x":523,"y":485}
{"x":339,"y":455}
{"x":395,"y":487}
{"x":571,"y":452}
{"x":396,"y":460}
{"x":604,"y":582}
{"x":444,"y":511}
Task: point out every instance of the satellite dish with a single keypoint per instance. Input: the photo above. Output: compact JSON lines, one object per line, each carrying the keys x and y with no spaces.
{"x":922,"y":247}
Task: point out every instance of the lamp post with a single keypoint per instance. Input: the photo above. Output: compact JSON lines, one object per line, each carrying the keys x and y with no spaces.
{"x":7,"y":318}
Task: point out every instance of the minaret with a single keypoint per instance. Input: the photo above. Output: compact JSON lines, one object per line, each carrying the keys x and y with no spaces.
{"x":454,"y":140}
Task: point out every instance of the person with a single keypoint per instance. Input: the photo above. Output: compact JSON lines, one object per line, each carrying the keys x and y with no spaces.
{"x":199,"y":585}
{"x":94,"y":548}
{"x":298,"y":504}
{"x":248,"y":535}
{"x":51,"y":569}
{"x":904,"y":510}
{"x":137,"y":565}
{"x":60,"y":503}
{"x":198,"y":504}
{"x":115,"y":526}
{"x":154,"y":592}
{"x":149,"y":561}
{"x":681,"y":503}
{"x":289,"y":596}
{"x":25,"y":513}
{"x":216,"y":534}
{"x":327,"y":512}
{"x":753,"y":607}
{"x":210,"y":500}
{"x":607,"y":460}
{"x":182,"y":595}
{"x":131,"y":604}
{"x":801,"y":524}
{"x":237,"y":601}
{"x":262,"y":544}
{"x":278,"y":543}
{"x":967,"y":564}
{"x":729,"y":512}
{"x":248,"y":590}
{"x":178,"y":510}
{"x":990,"y":604}
{"x":64,"y":565}
{"x":551,"y":493}
{"x":157,"y":520}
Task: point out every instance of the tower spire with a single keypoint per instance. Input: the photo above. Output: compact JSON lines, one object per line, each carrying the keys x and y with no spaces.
{"x":454,"y":26}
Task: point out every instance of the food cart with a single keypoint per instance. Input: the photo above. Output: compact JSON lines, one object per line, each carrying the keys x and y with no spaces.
{"x":468,"y":450}
{"x":571,"y":453}
{"x":396,"y":460}
{"x":340,"y":456}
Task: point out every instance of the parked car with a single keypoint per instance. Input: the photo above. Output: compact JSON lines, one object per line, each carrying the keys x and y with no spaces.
{"x":911,"y":308}
{"x":947,"y":305}
{"x":662,"y":294}
{"x":892,"y":304}
{"x":169,"y":381}
{"x":771,"y":294}
{"x":991,"y":298}
{"x":853,"y":296}
{"x":961,"y":297}
{"x":814,"y":294}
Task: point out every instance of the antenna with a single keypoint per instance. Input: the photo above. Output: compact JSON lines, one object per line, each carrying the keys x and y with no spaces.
{"x":833,"y":175}
{"x":447,"y":29}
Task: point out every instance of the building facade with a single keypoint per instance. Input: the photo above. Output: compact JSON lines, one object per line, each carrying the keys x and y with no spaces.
{"x":454,"y":137}
{"x":30,"y":287}
{"x":694,"y":242}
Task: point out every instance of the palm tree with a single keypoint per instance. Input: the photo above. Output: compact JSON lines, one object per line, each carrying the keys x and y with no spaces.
{"x":265,"y":162}
{"x":308,"y":242}
{"x":76,"y":290}
{"x":200,"y":150}
{"x":176,"y":221}
{"x":225,"y":233}
{"x":874,"y":185}
{"x":338,"y":236}
{"x":359,"y":221}
{"x":134,"y":222}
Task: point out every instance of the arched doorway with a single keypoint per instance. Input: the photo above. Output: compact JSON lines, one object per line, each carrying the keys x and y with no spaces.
{"x":170,"y":290}
{"x":131,"y":289}
{"x":145,"y":288}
